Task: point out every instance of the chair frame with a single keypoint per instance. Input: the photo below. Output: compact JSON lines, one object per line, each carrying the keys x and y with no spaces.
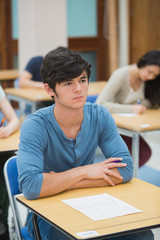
{"x":12,"y":192}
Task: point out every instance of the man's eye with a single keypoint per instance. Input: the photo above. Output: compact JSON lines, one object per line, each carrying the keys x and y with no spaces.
{"x":150,"y":72}
{"x":83,"y":80}
{"x":67,"y":83}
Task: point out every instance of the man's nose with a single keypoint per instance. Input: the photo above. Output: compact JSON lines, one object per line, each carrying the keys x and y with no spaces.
{"x":151,"y":77}
{"x":77,"y":87}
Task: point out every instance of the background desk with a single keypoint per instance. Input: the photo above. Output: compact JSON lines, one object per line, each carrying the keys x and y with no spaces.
{"x":96,"y":87}
{"x":133,"y":126}
{"x":70,"y":221}
{"x":8,"y":75}
{"x":11,"y":143}
{"x":34,"y":96}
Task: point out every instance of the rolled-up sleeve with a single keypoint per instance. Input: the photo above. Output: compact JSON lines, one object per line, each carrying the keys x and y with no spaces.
{"x":30,"y":159}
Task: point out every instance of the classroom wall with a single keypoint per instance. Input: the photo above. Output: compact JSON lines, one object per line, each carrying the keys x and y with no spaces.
{"x":130,"y":48}
{"x":144,"y":27}
{"x":14,"y":20}
{"x":48,"y":23}
{"x":82,"y":18}
{"x":123,"y":45}
{"x":42,"y":26}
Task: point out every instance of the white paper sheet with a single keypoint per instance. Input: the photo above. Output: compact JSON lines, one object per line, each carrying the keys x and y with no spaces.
{"x":145,"y":125}
{"x":87,"y":234}
{"x":101,"y":206}
{"x":126,"y":114}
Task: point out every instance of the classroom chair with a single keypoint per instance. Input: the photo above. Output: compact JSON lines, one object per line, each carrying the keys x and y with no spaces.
{"x":91,"y":98}
{"x":11,"y":179}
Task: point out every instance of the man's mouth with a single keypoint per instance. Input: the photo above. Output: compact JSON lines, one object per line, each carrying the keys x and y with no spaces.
{"x":78,"y":98}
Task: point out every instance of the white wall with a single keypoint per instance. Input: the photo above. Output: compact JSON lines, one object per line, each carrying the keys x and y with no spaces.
{"x":123,"y":33}
{"x":42,"y":27}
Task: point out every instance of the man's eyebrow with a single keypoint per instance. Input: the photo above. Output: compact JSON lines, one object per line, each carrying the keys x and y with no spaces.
{"x":68,"y":80}
{"x":84,"y":76}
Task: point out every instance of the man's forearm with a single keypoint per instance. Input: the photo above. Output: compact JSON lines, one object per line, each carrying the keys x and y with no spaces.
{"x":97,"y":182}
{"x":54,"y":183}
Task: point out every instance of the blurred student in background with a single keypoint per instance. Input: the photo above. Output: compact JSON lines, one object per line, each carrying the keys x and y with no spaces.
{"x":13,"y":124}
{"x":30,"y":77}
{"x":9,"y":114}
{"x":132,"y":89}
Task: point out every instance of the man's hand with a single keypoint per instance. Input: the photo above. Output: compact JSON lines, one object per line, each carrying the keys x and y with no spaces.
{"x":98,"y":174}
{"x":104,"y":170}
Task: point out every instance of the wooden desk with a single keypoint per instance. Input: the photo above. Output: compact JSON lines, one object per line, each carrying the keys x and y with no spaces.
{"x":95,"y":88}
{"x":133,"y":126}
{"x":34,"y":96}
{"x":11,"y":143}
{"x":138,"y":193}
{"x":9,"y":74}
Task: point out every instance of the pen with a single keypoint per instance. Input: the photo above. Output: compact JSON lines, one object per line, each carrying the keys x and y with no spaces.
{"x":117,"y":161}
{"x":2,"y":122}
{"x":139,"y":101}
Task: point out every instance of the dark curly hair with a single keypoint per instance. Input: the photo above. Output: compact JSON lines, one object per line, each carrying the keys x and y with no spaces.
{"x":61,"y":65}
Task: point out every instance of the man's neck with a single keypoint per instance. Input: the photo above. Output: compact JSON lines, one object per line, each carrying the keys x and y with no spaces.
{"x":68,"y":118}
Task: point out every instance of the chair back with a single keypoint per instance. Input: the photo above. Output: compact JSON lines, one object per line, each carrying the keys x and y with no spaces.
{"x":91,"y":98}
{"x":11,"y":179}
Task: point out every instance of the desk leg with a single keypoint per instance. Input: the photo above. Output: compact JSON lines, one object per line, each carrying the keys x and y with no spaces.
{"x":135,"y":147}
{"x":135,"y":153}
{"x":21,"y":108}
{"x":35,"y":227}
{"x":33,"y":107}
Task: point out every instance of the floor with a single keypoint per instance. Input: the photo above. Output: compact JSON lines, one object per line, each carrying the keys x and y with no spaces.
{"x":153,"y":138}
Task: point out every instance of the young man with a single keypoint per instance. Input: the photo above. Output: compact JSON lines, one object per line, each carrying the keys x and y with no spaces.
{"x":58,"y":143}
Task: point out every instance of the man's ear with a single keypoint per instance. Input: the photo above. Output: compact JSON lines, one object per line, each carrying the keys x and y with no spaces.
{"x":49,"y":90}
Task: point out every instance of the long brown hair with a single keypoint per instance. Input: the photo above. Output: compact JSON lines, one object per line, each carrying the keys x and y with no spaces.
{"x":152,"y":87}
